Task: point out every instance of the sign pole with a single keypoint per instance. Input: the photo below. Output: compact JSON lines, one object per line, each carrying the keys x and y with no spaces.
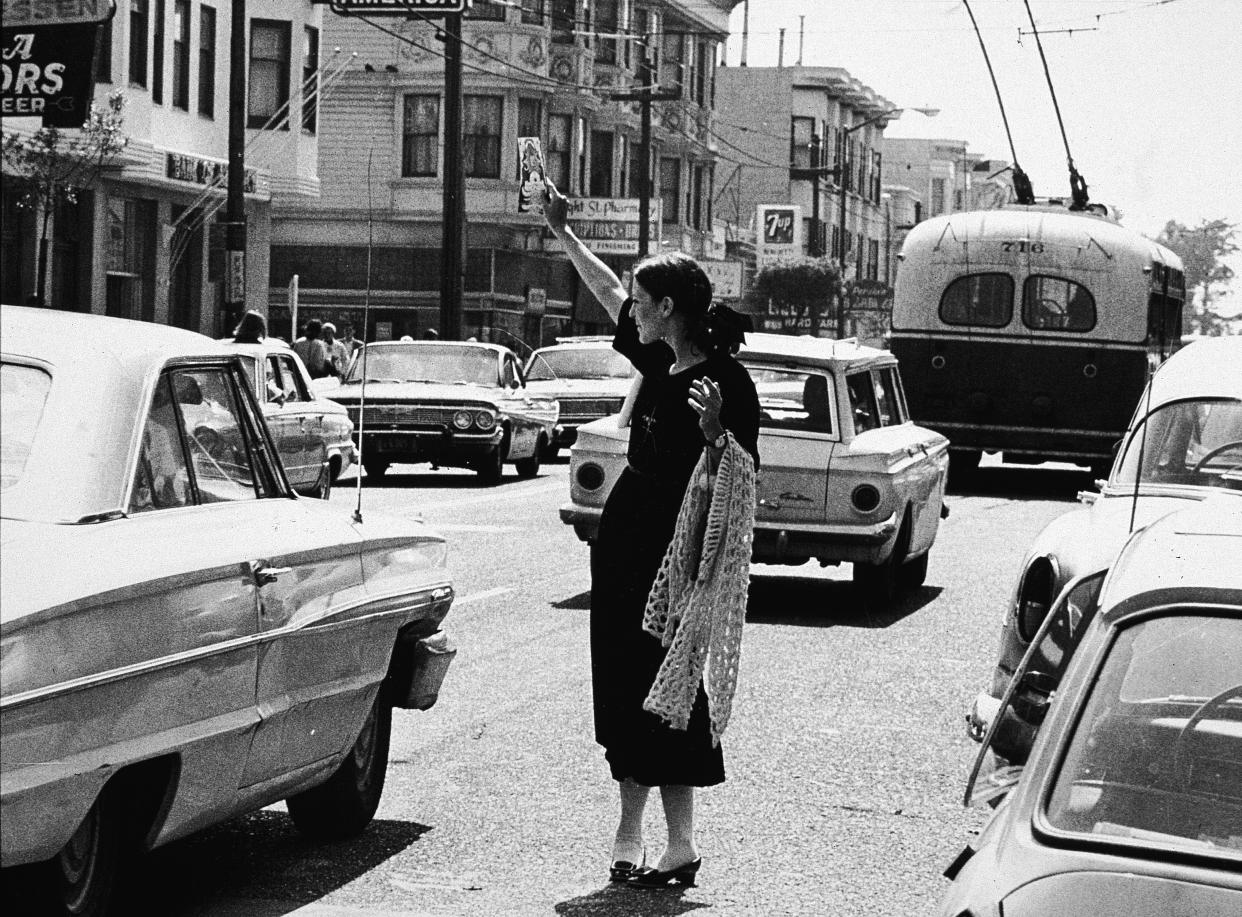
{"x":235,"y":240}
{"x":454,"y":242}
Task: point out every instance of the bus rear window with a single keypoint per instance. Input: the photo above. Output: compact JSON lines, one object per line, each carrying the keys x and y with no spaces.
{"x":985,"y":300}
{"x":1054,"y":304}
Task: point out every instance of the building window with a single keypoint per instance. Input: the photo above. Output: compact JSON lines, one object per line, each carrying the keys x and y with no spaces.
{"x":310,"y":79}
{"x":601,"y":163}
{"x":670,"y":188}
{"x":130,"y":245}
{"x":672,"y":61}
{"x":564,"y":22}
{"x":607,"y":21}
{"x":873,"y":260}
{"x":877,"y":171}
{"x":181,"y":55}
{"x":696,"y":199}
{"x":487,"y":9}
{"x":532,"y":12}
{"x":157,"y":53}
{"x":482,"y":130}
{"x":703,"y":70}
{"x":420,"y":136}
{"x":636,"y":173}
{"x":138,"y":19}
{"x":556,"y":156}
{"x":801,"y":138}
{"x":530,"y":122}
{"x":937,"y":196}
{"x":103,"y":60}
{"x":207,"y":61}
{"x":269,"y":73}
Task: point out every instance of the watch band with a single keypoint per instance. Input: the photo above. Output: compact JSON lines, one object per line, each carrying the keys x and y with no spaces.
{"x":719,"y":442}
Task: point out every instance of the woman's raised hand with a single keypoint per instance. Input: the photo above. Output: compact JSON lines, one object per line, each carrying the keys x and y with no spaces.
{"x":555,"y":207}
{"x":706,"y":400}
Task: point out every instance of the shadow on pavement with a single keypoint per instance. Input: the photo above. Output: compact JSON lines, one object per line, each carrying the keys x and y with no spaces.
{"x":260,"y":858}
{"x":579,"y":602}
{"x":801,"y":601}
{"x":1022,"y":482}
{"x":618,"y":901}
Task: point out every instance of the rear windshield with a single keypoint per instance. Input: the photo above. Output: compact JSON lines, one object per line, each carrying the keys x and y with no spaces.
{"x":23,"y":393}
{"x":985,"y":300}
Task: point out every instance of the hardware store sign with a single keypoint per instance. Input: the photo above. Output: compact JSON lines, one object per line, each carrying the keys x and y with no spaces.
{"x":48,"y":56}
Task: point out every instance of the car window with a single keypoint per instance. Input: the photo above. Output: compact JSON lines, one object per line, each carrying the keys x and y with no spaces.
{"x":792,"y":399}
{"x":985,"y":300}
{"x":1196,"y":442}
{"x":291,"y":383}
{"x":887,"y":404}
{"x":578,"y":363}
{"x":23,"y":393}
{"x":862,"y":401}
{"x":425,"y":361}
{"x":1152,"y":760}
{"x":198,"y":444}
{"x":1057,"y":304}
{"x":509,"y":373}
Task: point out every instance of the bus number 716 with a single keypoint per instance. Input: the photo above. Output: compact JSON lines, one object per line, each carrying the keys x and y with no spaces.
{"x":1023,"y":246}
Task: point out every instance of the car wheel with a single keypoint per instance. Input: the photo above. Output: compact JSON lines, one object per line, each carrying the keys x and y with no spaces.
{"x":78,"y":881}
{"x":323,"y":487}
{"x":491,"y":467}
{"x":878,"y":582}
{"x":529,"y":467}
{"x":346,"y":803}
{"x":375,"y":468}
{"x":913,"y":574}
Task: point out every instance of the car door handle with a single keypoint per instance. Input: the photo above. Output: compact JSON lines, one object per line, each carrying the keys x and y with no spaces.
{"x":265,"y":575}
{"x":769,"y":504}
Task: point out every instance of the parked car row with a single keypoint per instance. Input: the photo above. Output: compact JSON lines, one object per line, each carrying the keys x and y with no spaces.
{"x":208,"y":642}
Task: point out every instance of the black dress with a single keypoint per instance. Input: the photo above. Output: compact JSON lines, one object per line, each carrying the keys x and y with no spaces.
{"x":635,"y":530}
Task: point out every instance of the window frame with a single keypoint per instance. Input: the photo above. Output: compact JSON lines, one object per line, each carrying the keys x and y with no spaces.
{"x":181,"y":55}
{"x":207,"y":24}
{"x":158,"y":37}
{"x":562,"y":173}
{"x":477,"y":146}
{"x":533,"y":12}
{"x":309,"y":87}
{"x":940,"y":311}
{"x":409,"y":137}
{"x":601,"y":178}
{"x":870,"y":394}
{"x":1026,"y":301}
{"x":283,"y":63}
{"x":139,"y":27}
{"x":486,"y":11}
{"x":673,"y":194}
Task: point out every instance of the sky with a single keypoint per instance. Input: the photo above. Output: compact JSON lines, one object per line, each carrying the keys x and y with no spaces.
{"x":1150,"y":90}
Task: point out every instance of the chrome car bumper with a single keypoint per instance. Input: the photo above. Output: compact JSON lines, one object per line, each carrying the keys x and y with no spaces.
{"x":428,"y":445}
{"x":775,"y":543}
{"x":584,"y":519}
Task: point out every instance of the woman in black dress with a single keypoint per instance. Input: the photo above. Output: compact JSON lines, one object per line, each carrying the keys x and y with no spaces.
{"x":693,"y":390}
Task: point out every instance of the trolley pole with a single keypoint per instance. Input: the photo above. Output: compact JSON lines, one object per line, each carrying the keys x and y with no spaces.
{"x":454,"y":239}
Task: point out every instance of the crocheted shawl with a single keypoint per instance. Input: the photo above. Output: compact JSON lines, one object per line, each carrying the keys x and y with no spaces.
{"x":698,"y":601}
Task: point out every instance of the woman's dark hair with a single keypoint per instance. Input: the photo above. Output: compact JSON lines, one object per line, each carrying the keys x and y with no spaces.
{"x":251,"y":329}
{"x":711,"y":327}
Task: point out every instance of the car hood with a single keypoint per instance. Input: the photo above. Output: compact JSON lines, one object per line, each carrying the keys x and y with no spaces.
{"x":580,"y":388}
{"x":1122,"y":894}
{"x":385,"y":392}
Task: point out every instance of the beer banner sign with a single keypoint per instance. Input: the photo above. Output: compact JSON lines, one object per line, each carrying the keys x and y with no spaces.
{"x":49,"y":72}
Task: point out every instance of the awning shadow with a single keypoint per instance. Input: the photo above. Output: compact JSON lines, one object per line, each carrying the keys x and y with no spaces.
{"x":255,"y":859}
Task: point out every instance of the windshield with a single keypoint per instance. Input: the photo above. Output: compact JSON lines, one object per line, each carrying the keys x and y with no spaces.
{"x":428,"y":362}
{"x":23,"y":392}
{"x":1156,"y":758}
{"x":579,"y":363}
{"x":1197,"y":442}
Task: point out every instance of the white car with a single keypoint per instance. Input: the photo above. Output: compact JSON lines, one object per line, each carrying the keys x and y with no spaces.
{"x":587,"y":378}
{"x":183,"y":638}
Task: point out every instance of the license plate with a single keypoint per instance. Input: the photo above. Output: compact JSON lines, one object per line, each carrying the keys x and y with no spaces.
{"x":395,"y":443}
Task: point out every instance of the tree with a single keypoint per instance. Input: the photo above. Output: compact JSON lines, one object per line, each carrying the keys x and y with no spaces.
{"x":1203,"y":249}
{"x":809,"y":286}
{"x":56,"y":165}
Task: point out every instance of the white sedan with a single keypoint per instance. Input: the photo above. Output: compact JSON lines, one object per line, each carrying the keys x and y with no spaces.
{"x":183,"y":638}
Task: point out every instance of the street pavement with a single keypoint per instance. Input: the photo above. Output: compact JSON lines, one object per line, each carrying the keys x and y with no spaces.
{"x":846,"y":755}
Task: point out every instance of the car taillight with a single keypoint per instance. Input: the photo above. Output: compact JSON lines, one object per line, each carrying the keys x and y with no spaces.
{"x":590,"y":476}
{"x":865,"y":498}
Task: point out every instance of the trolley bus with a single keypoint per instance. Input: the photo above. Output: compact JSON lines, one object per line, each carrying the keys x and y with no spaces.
{"x":1031,"y":330}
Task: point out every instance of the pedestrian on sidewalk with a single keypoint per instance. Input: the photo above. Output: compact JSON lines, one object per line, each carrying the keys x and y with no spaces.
{"x":252,"y":328}
{"x":693,"y":396}
{"x":311,"y":350}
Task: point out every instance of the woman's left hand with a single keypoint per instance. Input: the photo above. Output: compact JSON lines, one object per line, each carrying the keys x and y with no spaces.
{"x":706,"y":400}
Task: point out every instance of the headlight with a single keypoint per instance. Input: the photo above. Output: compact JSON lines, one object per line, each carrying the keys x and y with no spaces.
{"x":485,"y":420}
{"x":462,"y":419}
{"x":865,"y":498}
{"x":590,"y":476}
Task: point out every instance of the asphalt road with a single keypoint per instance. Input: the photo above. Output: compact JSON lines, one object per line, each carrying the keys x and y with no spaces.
{"x":846,"y":754}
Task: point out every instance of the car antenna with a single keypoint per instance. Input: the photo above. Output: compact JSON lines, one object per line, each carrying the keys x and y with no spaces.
{"x":1078,"y":185}
{"x":1021,"y":181}
{"x":366,"y":324}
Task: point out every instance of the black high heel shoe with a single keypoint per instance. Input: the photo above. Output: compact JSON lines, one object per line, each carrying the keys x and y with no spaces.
{"x":650,"y":877}
{"x":622,"y":870}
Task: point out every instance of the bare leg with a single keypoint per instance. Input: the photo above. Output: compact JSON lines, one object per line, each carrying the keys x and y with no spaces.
{"x":679,"y":813}
{"x":628,"y":845}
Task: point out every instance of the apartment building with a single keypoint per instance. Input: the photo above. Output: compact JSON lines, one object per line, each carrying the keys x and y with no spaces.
{"x":809,"y":136}
{"x":138,"y":242}
{"x":532,"y":68}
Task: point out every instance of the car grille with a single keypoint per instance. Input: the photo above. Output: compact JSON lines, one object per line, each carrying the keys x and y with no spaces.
{"x":581,"y":409}
{"x":406,"y":415}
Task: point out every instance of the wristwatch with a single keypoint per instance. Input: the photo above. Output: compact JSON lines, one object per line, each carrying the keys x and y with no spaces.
{"x":719,"y":442}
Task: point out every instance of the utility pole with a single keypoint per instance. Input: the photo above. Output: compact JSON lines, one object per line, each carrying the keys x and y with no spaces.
{"x":235,"y":209}
{"x":453,"y":244}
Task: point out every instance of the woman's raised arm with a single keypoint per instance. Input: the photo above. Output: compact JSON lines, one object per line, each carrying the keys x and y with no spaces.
{"x":599,"y":277}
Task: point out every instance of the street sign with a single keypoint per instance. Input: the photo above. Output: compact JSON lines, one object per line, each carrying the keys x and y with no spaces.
{"x":395,"y":7}
{"x":49,"y":72}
